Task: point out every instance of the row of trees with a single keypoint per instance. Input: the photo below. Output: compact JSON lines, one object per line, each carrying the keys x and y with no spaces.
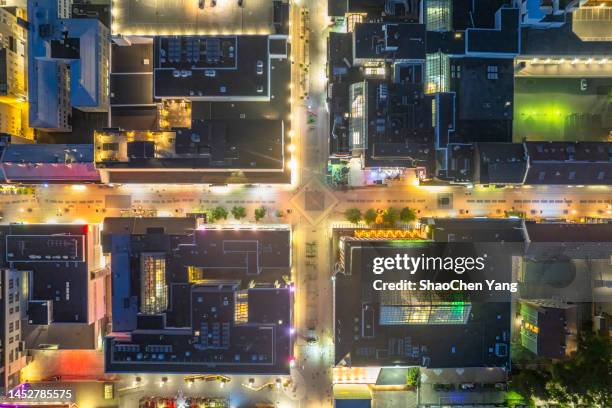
{"x":388,"y":217}
{"x":238,"y":212}
{"x":586,"y":378}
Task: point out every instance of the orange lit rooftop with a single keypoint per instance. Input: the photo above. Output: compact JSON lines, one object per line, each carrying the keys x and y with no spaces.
{"x":185,"y":17}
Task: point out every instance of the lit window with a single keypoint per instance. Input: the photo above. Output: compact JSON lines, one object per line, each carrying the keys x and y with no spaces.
{"x":357,"y":107}
{"x":434,"y":113}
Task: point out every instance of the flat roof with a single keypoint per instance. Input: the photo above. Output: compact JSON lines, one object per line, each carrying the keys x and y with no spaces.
{"x":236,"y":137}
{"x":43,"y":162}
{"x":130,"y":89}
{"x":243,"y":250}
{"x":48,"y":153}
{"x":249,"y":144}
{"x":552,"y":232}
{"x":504,"y":38}
{"x":405,"y":328}
{"x":561,"y":41}
{"x":134,"y":17}
{"x":45,"y":248}
{"x":386,"y":40}
{"x":132,"y":58}
{"x":476,"y":230}
{"x":57,"y":255}
{"x":212,"y":67}
{"x":501,"y":163}
{"x":233,"y":317}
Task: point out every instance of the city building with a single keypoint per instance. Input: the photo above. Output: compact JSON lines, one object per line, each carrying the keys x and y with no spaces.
{"x":48,"y":163}
{"x":13,"y":75}
{"x":428,"y":85}
{"x":214,"y":300}
{"x":424,"y":327}
{"x":198,"y":109}
{"x":471,"y":48}
{"x":13,"y":307}
{"x":66,"y":285}
{"x":569,"y":163}
{"x":133,"y":18}
{"x":562,"y":69}
{"x":500,"y":163}
{"x":379,"y":121}
{"x":68,"y":64}
{"x":549,"y":328}
{"x":533,"y":163}
{"x":355,"y":10}
{"x":564,"y":280}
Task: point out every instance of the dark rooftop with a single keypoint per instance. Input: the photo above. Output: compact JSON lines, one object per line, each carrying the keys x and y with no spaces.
{"x":229,"y":133}
{"x":552,"y":232}
{"x":476,"y":230}
{"x":209,"y":68}
{"x":57,"y":255}
{"x":227,"y":307}
{"x":85,"y":9}
{"x":340,"y":8}
{"x":404,"y":328}
{"x":504,"y":38}
{"x":560,"y":41}
{"x":500,"y":163}
{"x":68,"y":48}
{"x":395,"y":41}
{"x":570,"y":163}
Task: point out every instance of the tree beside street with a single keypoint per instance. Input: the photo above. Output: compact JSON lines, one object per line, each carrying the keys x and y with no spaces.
{"x":238,"y":212}
{"x":260,"y":213}
{"x":408,"y":215}
{"x":353,"y":215}
{"x":370,"y":216}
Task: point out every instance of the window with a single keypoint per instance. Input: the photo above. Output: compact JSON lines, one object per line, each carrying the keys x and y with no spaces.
{"x":357,"y":107}
{"x":10,"y":327}
{"x":434,"y":112}
{"x":437,"y":73}
{"x":438,"y":15}
{"x":356,"y":138}
{"x":492,"y":72}
{"x":109,"y":391}
{"x":455,"y":71}
{"x":10,"y":298}
{"x":10,"y":284}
